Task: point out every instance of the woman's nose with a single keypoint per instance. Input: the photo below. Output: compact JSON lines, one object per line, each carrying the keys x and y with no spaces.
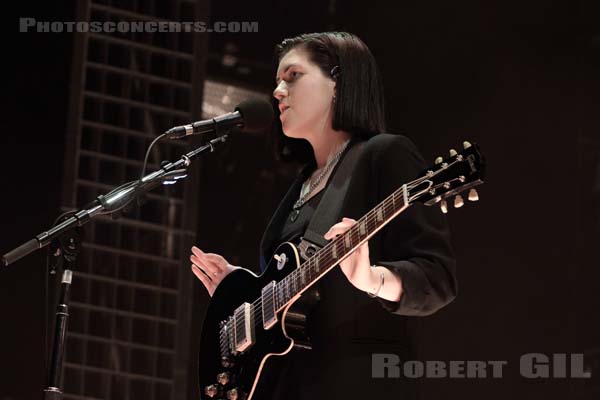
{"x":280,"y":91}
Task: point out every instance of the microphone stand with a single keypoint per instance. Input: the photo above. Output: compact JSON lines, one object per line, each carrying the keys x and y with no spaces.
{"x":114,"y":201}
{"x":64,"y":236}
{"x":53,"y":391}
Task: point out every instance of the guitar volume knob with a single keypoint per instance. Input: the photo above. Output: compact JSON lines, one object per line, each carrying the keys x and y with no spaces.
{"x":211,"y":391}
{"x":223,"y":378}
{"x":232,"y":394}
{"x":226,"y":362}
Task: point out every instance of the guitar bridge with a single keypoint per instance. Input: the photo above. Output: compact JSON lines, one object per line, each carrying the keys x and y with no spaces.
{"x":243,"y":327}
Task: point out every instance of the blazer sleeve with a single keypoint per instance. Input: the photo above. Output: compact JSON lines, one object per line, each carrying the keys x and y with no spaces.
{"x":416,"y":244}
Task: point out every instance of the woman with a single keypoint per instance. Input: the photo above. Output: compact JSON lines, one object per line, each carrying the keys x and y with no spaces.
{"x":330,"y":97}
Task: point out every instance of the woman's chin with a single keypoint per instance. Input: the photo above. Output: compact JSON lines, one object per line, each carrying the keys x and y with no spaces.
{"x":291,"y":133}
{"x":295,"y":131}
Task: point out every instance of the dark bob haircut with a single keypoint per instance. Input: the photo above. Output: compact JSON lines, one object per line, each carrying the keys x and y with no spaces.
{"x":358,"y":108}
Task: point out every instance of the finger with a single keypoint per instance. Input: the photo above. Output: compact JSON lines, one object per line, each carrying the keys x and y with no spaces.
{"x":218,"y":261}
{"x":215,"y":260}
{"x":197,"y":251}
{"x":333,"y":232}
{"x":205,"y":265}
{"x":201,"y":269}
{"x":203,"y":278}
{"x":337,"y":229}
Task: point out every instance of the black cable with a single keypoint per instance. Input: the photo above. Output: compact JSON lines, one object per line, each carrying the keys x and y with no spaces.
{"x":148,"y":153}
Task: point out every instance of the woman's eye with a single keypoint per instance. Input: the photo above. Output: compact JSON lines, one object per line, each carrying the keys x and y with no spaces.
{"x":294,"y":74}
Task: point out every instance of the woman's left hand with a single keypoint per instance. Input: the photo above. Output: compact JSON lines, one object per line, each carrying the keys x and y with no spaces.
{"x":357,"y":266}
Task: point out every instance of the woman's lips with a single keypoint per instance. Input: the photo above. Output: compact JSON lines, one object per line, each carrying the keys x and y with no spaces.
{"x":283,"y":111}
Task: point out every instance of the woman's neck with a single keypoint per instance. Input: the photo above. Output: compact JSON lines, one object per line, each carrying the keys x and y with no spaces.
{"x":326,"y":146}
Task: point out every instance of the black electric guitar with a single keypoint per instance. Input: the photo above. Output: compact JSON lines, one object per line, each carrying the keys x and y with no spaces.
{"x":246,"y":321}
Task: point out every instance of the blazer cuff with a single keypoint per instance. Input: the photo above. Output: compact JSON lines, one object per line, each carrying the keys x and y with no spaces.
{"x":414,"y":298}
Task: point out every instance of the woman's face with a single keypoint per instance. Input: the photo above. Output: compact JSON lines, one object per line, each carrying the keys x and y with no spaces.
{"x":305,"y":95}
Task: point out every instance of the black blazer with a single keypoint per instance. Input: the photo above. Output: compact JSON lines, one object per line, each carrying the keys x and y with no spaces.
{"x":347,"y":324}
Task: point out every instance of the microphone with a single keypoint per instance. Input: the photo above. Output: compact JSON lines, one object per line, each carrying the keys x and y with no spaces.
{"x":252,"y":115}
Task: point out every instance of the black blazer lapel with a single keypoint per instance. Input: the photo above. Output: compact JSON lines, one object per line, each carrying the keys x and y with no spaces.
{"x":282,"y":212}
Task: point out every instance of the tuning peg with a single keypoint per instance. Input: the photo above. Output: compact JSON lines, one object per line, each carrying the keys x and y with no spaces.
{"x":458,"y":201}
{"x":453,"y":152}
{"x":439,"y":160}
{"x":473,"y":195}
{"x":466,"y":145}
{"x":444,"y":206}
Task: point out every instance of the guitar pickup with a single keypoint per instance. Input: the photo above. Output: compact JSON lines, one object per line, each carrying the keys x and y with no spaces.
{"x":269,"y":308}
{"x":243,"y":327}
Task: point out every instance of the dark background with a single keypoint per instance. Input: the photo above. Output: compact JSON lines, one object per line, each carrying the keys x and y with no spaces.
{"x":518,"y":77}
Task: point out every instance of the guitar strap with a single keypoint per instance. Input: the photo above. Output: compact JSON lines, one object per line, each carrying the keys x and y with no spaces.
{"x":328,"y":211}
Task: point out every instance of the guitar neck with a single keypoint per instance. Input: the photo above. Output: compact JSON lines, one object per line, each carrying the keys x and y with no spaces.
{"x":341,"y":247}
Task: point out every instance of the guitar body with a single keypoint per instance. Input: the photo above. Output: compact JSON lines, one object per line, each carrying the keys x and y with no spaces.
{"x":239,"y":287}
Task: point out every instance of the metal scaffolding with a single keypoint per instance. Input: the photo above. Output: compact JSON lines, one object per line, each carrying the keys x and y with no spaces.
{"x":130,"y":313}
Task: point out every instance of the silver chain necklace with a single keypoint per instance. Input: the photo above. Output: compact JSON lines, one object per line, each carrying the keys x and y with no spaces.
{"x":313,"y":184}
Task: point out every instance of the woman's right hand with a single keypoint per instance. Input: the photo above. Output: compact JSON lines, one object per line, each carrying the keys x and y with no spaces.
{"x":209,"y":268}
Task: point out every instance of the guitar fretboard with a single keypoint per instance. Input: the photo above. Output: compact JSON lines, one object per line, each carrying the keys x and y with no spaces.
{"x":339,"y":248}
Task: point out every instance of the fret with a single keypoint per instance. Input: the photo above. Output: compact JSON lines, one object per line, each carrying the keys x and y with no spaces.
{"x":320,"y":261}
{"x":327,"y":257}
{"x":371,"y":222}
{"x":367,"y":224}
{"x":334,"y":251}
{"x":353,"y":236}
{"x":283,"y":286}
{"x":389,"y":212}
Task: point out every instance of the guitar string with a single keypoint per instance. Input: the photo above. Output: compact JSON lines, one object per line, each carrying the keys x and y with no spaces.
{"x":311,"y":266}
{"x":310,"y":263}
{"x":372,"y":213}
{"x":257,"y":317}
{"x":370,"y":220}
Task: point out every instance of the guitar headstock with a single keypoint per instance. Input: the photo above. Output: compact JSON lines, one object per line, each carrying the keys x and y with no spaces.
{"x":449,"y":178}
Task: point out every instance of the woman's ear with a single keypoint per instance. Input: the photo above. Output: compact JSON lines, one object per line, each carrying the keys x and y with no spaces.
{"x":335,"y":72}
